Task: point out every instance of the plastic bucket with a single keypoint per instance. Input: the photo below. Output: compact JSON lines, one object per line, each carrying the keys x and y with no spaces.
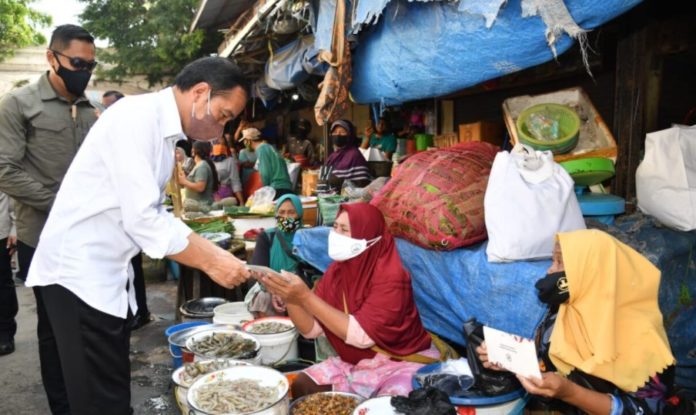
{"x":514,"y":407}
{"x":232,"y":313}
{"x":423,"y":141}
{"x":275,"y":347}
{"x":401,"y":146}
{"x":411,"y":147}
{"x":175,"y":350}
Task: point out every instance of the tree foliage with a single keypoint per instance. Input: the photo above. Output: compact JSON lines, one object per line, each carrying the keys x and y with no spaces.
{"x":146,"y":37}
{"x":19,"y":25}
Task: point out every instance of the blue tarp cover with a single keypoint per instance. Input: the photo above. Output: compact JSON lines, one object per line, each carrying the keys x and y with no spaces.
{"x":421,"y":50}
{"x":451,"y":287}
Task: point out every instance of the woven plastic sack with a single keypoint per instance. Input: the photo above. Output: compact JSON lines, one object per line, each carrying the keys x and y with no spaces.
{"x":436,"y":198}
{"x":328,"y":208}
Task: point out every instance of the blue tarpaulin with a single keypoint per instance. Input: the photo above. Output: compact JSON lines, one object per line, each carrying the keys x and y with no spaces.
{"x":292,"y":64}
{"x":451,"y":287}
{"x":421,"y":50}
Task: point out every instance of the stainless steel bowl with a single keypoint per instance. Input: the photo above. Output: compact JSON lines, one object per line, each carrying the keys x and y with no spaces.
{"x":179,"y":338}
{"x":201,"y":307}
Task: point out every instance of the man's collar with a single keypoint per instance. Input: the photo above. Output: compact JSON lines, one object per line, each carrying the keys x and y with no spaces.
{"x":170,"y":121}
{"x":47,"y":92}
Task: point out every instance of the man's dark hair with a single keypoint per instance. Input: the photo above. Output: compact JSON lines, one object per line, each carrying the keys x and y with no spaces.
{"x":116,"y":94}
{"x":64,"y":34}
{"x":220,"y":73}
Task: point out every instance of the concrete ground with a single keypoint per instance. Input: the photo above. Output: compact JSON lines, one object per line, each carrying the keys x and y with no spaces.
{"x":151,"y":389}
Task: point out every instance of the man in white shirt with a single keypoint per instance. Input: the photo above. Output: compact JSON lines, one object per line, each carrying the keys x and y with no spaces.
{"x":108,"y":208}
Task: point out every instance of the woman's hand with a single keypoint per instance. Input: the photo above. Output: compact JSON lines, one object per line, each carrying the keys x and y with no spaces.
{"x":278,"y":305}
{"x":291,"y":289}
{"x":182,"y":178}
{"x":482,"y":352}
{"x":551,"y":385}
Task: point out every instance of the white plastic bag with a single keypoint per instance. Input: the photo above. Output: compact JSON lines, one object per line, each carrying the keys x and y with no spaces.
{"x":372,"y":154}
{"x":263,"y":200}
{"x":666,"y":178}
{"x":529,"y":199}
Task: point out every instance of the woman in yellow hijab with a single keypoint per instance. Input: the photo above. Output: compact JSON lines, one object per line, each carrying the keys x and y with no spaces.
{"x":602,"y":346}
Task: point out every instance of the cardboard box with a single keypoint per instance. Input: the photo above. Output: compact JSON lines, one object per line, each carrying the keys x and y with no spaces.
{"x":446,"y":140}
{"x":487,"y":131}
{"x":595,"y":140}
{"x":310,"y":178}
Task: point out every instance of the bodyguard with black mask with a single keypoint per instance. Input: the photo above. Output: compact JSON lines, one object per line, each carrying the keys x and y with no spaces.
{"x":42,"y":126}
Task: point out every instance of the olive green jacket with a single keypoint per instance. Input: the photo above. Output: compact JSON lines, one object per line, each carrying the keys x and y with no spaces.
{"x":40,"y":133}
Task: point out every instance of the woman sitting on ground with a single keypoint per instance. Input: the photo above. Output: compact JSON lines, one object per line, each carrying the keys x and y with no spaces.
{"x":364,"y":305}
{"x":203,"y":181}
{"x":346,"y":161}
{"x":602,"y":346}
{"x":274,"y":250}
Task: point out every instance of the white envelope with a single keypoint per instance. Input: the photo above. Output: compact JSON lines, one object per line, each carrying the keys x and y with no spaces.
{"x":514,"y":353}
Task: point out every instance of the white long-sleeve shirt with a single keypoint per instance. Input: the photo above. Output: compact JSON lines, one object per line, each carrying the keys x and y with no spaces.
{"x":109,"y":206}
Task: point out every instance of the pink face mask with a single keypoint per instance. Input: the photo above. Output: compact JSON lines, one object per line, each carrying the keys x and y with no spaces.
{"x":205,"y":129}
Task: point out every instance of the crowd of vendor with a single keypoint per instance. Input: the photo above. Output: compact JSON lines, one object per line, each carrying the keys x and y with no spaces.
{"x":602,"y":346}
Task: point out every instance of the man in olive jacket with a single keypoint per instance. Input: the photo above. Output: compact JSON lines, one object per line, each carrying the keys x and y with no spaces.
{"x":41,"y":128}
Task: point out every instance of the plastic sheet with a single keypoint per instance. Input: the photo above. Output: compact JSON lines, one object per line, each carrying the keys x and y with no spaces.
{"x":421,"y":50}
{"x":450,"y":287}
{"x":284,"y":69}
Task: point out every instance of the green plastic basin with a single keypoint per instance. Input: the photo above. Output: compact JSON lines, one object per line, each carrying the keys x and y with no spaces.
{"x":569,"y":128}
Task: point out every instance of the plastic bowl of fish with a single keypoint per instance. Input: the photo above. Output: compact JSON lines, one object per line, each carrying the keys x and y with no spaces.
{"x":190,"y":372}
{"x":324,"y":403}
{"x":277,"y":337}
{"x":184,"y":376}
{"x":268,"y":325}
{"x":240,"y":390}
{"x":223,"y":344}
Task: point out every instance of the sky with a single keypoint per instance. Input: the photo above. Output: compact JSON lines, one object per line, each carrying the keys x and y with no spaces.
{"x":63,"y":12}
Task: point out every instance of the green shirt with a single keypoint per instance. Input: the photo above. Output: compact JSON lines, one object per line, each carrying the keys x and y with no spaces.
{"x":40,"y":133}
{"x":273,"y":168}
{"x":386,"y":143}
{"x":201,"y":173}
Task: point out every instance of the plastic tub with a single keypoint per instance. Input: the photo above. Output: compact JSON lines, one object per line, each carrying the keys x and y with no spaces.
{"x":568,"y":128}
{"x":232,"y":313}
{"x":267,"y":377}
{"x":507,"y":404}
{"x":276,"y":347}
{"x":423,"y":141}
{"x":175,"y":349}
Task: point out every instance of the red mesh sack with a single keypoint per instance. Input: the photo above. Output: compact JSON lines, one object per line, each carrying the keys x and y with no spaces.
{"x":436,"y":198}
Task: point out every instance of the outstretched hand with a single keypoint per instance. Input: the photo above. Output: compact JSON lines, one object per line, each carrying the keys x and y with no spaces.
{"x":291,"y":289}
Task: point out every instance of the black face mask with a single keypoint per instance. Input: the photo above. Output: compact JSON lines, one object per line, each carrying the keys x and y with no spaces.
{"x":75,"y":81}
{"x":553,"y":289}
{"x":339,"y":140}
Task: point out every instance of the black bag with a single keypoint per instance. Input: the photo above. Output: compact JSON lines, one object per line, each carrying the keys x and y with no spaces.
{"x":425,"y":401}
{"x":488,"y":382}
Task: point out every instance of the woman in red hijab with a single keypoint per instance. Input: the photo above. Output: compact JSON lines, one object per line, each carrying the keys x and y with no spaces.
{"x":364,"y":305}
